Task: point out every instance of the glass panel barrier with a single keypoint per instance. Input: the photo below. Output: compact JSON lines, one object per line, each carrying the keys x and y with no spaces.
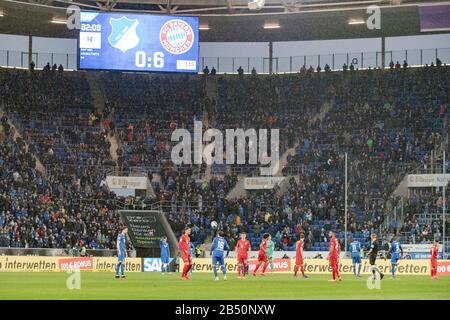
{"x":388,"y":58}
{"x":226,"y":65}
{"x":444,"y":55}
{"x":284,"y":64}
{"x":355,"y":59}
{"x":42,"y":59}
{"x":297,"y":63}
{"x":258,"y":63}
{"x":339,"y":60}
{"x":12,"y":59}
{"x":413,"y":57}
{"x":210,"y":63}
{"x":360,"y":60}
{"x":379,"y":59}
{"x":312,"y":61}
{"x":326,"y":59}
{"x":399,"y":56}
{"x":3,"y":58}
{"x":428,"y":56}
{"x":369,"y":59}
{"x":72,"y":60}
{"x":60,"y":59}
{"x":241,"y":62}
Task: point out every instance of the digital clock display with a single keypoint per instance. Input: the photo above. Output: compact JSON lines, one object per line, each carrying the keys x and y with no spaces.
{"x":137,"y":42}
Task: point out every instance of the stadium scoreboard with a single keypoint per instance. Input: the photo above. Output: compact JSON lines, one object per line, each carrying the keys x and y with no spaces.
{"x":138,"y":42}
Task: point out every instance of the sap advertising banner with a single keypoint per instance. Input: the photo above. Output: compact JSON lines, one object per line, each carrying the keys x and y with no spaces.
{"x":138,"y":42}
{"x":153,"y":264}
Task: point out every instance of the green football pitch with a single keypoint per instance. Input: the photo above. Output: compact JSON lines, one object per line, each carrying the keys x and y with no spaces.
{"x":202,"y":286}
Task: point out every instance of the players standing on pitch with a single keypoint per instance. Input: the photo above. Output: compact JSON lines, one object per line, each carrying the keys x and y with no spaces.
{"x":191,"y":252}
{"x":262,"y":256}
{"x":121,"y":252}
{"x":242,"y":248}
{"x":396,"y":252}
{"x":165,"y":255}
{"x":269,"y":252}
{"x":373,"y":252}
{"x":299,"y":256}
{"x":185,"y":252}
{"x":219,"y":245}
{"x":333,"y":257}
{"x":355,"y":249}
{"x":434,"y":256}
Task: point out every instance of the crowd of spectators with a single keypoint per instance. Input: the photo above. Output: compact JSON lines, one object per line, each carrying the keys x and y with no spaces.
{"x":64,"y":203}
{"x":56,"y":116}
{"x":386,"y":121}
{"x":423,"y":221}
{"x":39,"y":210}
{"x":145,"y":109}
{"x":285,"y":102}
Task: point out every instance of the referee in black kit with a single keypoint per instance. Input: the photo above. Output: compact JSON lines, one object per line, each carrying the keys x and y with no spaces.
{"x":373,"y":252}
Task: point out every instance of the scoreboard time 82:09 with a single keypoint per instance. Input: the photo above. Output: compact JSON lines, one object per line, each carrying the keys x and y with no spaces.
{"x":136,"y":42}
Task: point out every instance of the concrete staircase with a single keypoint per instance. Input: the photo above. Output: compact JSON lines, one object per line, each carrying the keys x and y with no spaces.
{"x":206,"y":247}
{"x":239,"y":191}
{"x":97,"y":92}
{"x":16,"y":134}
{"x":212,"y":92}
{"x":98,"y":95}
{"x":114,"y":147}
{"x":402,"y":191}
{"x":212,"y":89}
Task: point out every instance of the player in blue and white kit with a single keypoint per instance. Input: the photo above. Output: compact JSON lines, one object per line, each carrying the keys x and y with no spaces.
{"x":165,"y":255}
{"x":396,"y":252}
{"x":192,"y":252}
{"x":355,"y":249}
{"x":121,"y":252}
{"x":219,"y":245}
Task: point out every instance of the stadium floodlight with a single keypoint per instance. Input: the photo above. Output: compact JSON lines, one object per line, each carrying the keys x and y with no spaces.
{"x":272,"y":25}
{"x":256,"y":4}
{"x":204,"y":26}
{"x":58,"y":21}
{"x":356,"y":21}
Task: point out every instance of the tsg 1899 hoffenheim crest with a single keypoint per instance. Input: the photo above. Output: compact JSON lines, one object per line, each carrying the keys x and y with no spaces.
{"x":176,"y":36}
{"x":123,"y":34}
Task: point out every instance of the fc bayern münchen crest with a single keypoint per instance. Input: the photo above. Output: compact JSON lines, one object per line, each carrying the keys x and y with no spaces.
{"x":176,"y":36}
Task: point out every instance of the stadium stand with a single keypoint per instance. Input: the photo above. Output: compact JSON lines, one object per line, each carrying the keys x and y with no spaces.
{"x":387,"y":121}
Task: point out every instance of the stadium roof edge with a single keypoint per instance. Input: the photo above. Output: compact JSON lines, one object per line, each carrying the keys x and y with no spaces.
{"x":34,"y":19}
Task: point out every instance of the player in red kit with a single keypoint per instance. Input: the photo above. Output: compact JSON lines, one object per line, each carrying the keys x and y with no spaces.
{"x":333,"y":256}
{"x":434,"y":256}
{"x":262,"y":256}
{"x":185,"y":252}
{"x":242,"y":248}
{"x":299,"y":256}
